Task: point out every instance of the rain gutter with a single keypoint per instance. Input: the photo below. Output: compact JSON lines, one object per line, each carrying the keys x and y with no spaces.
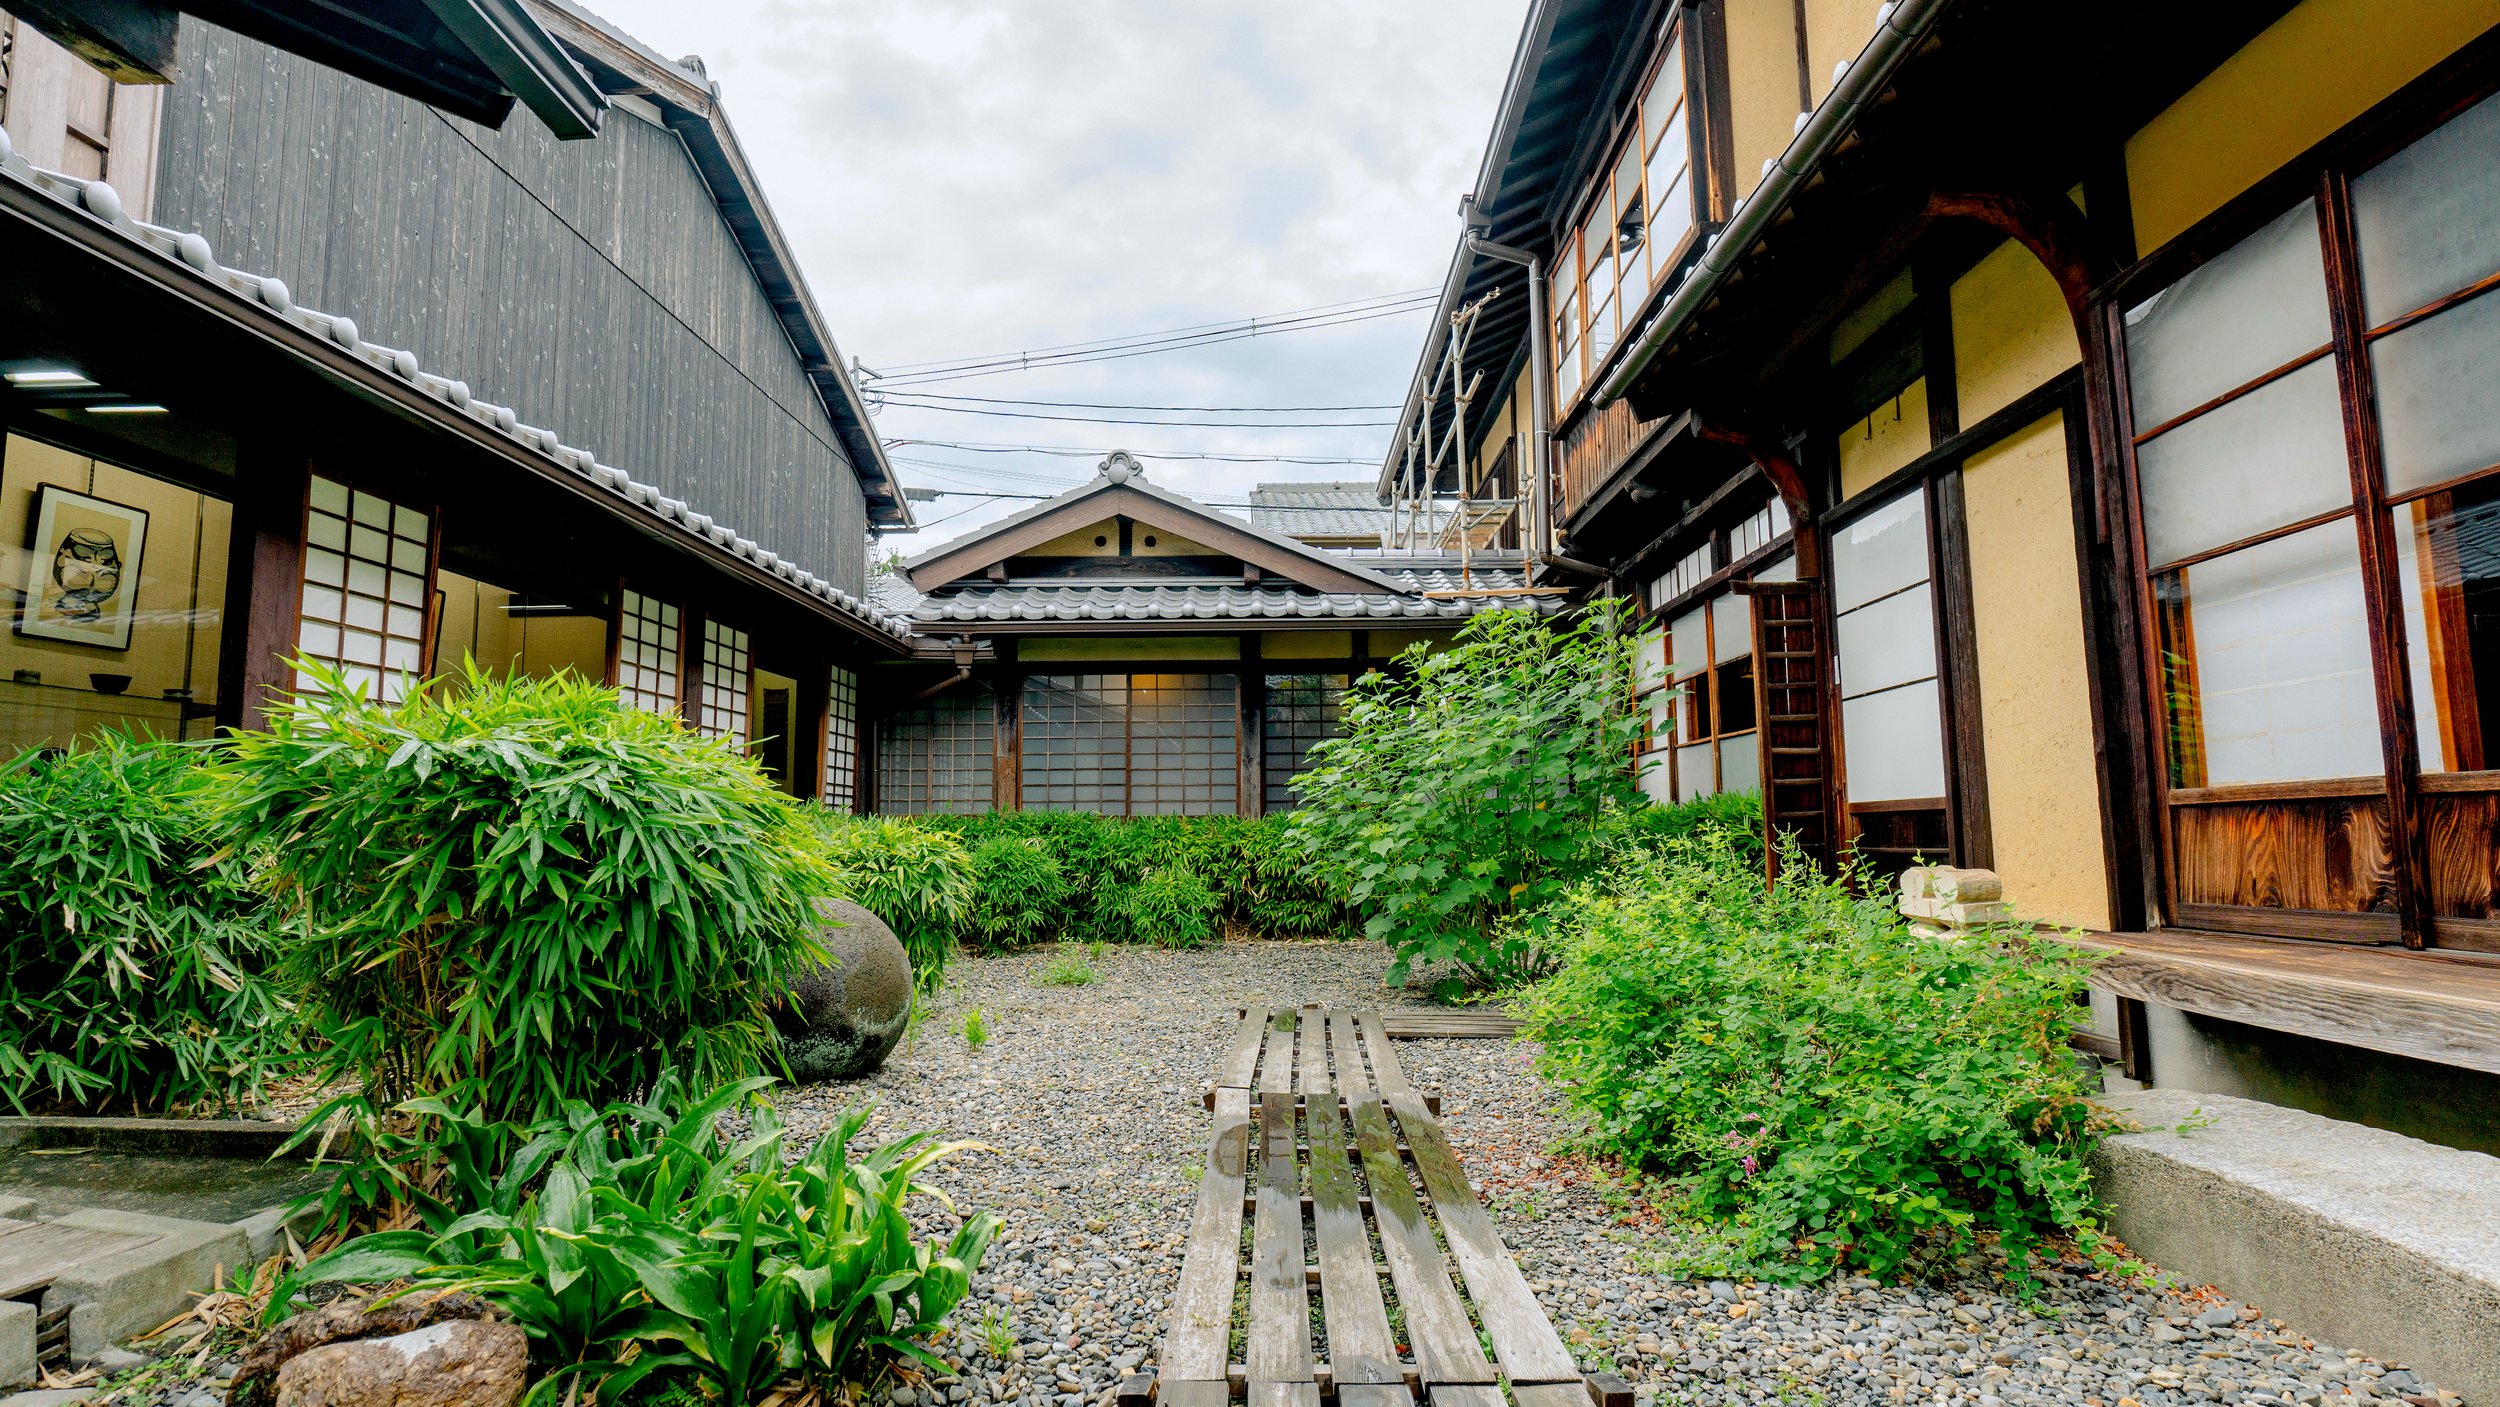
{"x":1898,"y":29}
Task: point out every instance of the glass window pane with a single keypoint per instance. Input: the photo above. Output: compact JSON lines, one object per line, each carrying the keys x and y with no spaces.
{"x":1649,"y":662}
{"x":1880,"y":552}
{"x":1895,"y":743}
{"x":1740,"y":763}
{"x":2428,"y":218}
{"x":1888,"y":643}
{"x":2274,"y":456}
{"x":1665,"y":95}
{"x":1692,"y":641}
{"x":1631,"y":227}
{"x":2235,"y":318}
{"x":2266,"y":663}
{"x":1693,"y":775}
{"x":2439,"y":395}
{"x":2448,"y":569}
{"x":1731,"y":627}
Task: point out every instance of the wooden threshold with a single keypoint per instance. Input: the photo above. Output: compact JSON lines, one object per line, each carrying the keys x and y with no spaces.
{"x":2426,"y":1005}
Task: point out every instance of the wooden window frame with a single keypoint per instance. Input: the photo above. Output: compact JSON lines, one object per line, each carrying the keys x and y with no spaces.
{"x":2324,"y":174}
{"x":1694,"y":42}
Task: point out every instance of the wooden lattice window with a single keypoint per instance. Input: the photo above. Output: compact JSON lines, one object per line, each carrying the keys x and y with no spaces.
{"x":367,"y":589}
{"x":650,"y":673}
{"x":841,"y":788}
{"x":728,"y":680}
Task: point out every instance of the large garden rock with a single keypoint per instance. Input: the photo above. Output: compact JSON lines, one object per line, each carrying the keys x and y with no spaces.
{"x":842,"y":1019}
{"x":458,"y":1363}
{"x":349,"y":1317}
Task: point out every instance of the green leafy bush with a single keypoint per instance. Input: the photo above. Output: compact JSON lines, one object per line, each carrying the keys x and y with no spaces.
{"x":517,"y":891}
{"x":634,"y":1240}
{"x":132,"y":958}
{"x":1732,"y":818}
{"x":1464,"y":797}
{"x":1842,"y":1092}
{"x":1263,"y":882}
{"x":1019,"y":891}
{"x":1169,"y":906}
{"x":917,"y":878}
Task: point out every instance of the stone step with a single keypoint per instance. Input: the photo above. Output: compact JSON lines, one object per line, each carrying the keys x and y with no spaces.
{"x":2369,"y":1240}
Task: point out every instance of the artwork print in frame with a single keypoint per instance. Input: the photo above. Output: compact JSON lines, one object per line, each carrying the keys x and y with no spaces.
{"x":82,"y":569}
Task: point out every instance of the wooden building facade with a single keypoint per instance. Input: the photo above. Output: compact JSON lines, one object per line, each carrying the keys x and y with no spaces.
{"x":1127,"y":650}
{"x":2086,"y":425}
{"x":298,"y":364}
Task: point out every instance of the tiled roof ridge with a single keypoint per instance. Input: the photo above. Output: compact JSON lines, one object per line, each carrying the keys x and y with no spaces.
{"x":102,"y":204}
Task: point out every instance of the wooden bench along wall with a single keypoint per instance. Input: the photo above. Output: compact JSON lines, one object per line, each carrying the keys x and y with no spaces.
{"x":1363,"y":1142}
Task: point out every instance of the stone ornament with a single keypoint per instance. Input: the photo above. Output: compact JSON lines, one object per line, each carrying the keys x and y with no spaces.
{"x":842,"y":1019}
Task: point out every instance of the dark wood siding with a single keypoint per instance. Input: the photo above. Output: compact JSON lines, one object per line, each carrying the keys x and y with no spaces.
{"x":590,"y":285}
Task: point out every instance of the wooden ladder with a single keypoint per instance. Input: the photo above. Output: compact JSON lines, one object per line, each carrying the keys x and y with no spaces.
{"x":1314,"y":1099}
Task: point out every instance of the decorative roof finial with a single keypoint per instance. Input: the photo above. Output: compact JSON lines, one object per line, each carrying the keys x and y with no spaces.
{"x":1120,"y":466}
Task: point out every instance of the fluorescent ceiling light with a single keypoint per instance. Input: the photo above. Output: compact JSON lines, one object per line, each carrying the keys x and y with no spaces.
{"x":125,"y":408}
{"x":48,"y":376}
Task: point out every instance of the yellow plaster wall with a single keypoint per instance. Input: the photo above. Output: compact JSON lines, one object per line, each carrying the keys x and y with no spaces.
{"x":1164,"y":544}
{"x":1307,"y":645}
{"x":1762,"y":85}
{"x":2307,"y":74}
{"x":1130,"y":647}
{"x":2026,"y":596}
{"x":1835,"y":31}
{"x":1081,"y":542}
{"x":1890,"y":437}
{"x":2011,"y":332}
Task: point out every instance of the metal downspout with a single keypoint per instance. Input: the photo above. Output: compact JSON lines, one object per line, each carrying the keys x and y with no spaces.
{"x":1540,"y":393}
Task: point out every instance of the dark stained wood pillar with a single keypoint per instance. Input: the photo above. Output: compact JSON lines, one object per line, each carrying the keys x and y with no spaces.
{"x":1007,"y":741}
{"x":1252,"y":797}
{"x":264,"y":585}
{"x":1957,"y":627}
{"x":811,"y":699}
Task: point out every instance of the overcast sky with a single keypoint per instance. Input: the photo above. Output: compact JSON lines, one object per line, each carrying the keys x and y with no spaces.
{"x":970,"y":177}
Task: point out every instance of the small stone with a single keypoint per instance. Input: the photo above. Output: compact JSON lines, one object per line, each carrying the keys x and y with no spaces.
{"x":2221,"y":1316}
{"x":460,"y":1363}
{"x":117,"y":1360}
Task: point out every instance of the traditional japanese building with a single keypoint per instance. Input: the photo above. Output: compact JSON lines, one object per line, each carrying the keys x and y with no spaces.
{"x":1125,"y":649}
{"x":311,"y":348}
{"x":2060,"y":443}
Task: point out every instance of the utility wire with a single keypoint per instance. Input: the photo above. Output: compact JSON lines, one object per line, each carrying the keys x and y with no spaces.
{"x":956,"y":363}
{"x":1182,"y":424}
{"x":1035,"y":361}
{"x":1109,"y":405}
{"x":1082,"y":451}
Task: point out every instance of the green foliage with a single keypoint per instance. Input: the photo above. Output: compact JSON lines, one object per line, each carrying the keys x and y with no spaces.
{"x":1169,"y":906}
{"x":521,"y":892}
{"x":1837,"y":1090}
{"x":976,"y":1028}
{"x":634,"y":1239}
{"x":1071,"y":966}
{"x":1261,"y":880}
{"x":1019,"y":891}
{"x":1732,"y":818}
{"x":132,"y":957}
{"x":1463,"y":799}
{"x":917,"y":878}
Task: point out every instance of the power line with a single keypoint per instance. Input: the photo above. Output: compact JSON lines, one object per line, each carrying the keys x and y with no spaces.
{"x":1109,"y":405}
{"x":952,"y":363}
{"x":1036,"y":361}
{"x":1082,"y":451}
{"x":1182,"y":424}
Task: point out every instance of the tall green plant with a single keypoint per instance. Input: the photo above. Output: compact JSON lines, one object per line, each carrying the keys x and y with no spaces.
{"x":634,"y":1240}
{"x":1462,"y":799}
{"x":1840,"y":1091}
{"x":520,"y":892}
{"x":1019,"y":890}
{"x":917,"y":878}
{"x":132,"y":957}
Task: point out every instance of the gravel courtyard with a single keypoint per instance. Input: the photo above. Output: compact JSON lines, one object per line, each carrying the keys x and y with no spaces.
{"x":1090,"y":1097}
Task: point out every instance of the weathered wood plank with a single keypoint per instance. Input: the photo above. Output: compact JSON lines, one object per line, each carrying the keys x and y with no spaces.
{"x":33,"y":1254}
{"x":1388,"y":1076}
{"x":1215,"y":1392}
{"x":1360,"y":1346}
{"x":1447,"y":1025}
{"x":1197,"y":1339}
{"x":1459,"y":1395}
{"x":1436,"y":1321}
{"x":1554,"y":1395}
{"x":1365,"y":1395}
{"x":1523,"y":1338}
{"x":1241,"y":1060}
{"x":1280,"y":1301}
{"x":2408,"y":1004}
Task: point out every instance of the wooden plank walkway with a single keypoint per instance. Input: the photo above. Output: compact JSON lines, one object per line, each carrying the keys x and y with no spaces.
{"x":33,"y":1254}
{"x":1349,"y":1159}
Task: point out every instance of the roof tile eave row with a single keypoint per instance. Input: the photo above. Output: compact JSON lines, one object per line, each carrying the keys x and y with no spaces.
{"x":102,"y":204}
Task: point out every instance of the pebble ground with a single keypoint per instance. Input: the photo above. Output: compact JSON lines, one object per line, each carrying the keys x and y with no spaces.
{"x":1090,"y":1097}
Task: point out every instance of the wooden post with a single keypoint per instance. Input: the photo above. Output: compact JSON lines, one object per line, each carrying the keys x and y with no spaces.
{"x":1007,"y":742}
{"x":264,"y":585}
{"x":1252,"y":797}
{"x":811,"y":702}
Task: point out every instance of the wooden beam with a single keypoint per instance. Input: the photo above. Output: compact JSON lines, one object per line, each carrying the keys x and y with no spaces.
{"x":132,"y":41}
{"x":2443,"y":1010}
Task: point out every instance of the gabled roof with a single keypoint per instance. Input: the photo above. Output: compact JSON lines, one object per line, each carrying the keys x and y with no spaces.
{"x":1120,"y":488}
{"x":1309,"y":510}
{"x":1433,"y":590}
{"x":690,"y":104}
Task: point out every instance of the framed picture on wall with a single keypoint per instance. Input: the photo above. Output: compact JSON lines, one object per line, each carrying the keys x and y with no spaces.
{"x":82,"y":569}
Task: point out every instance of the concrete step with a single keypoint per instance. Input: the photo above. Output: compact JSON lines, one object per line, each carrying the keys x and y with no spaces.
{"x":2369,"y":1240}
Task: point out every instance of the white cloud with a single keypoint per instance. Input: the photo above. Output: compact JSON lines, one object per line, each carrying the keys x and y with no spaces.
{"x":964,"y":177}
